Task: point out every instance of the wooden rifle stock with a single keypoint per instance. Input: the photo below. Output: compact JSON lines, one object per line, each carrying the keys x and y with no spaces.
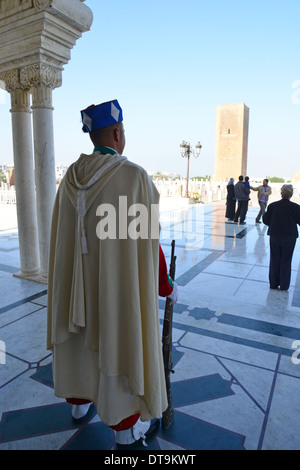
{"x":168,"y":414}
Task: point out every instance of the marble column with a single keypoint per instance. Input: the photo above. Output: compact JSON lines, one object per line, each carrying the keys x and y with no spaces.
{"x":25,"y":186}
{"x":45,"y":178}
{"x":42,"y":79}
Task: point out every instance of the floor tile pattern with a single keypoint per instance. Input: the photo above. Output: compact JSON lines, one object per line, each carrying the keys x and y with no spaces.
{"x":236,"y":384}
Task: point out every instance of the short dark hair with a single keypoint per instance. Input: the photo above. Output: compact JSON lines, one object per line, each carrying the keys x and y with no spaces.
{"x":241,"y":178}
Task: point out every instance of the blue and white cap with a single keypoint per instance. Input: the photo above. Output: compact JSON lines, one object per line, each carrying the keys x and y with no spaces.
{"x":101,"y":115}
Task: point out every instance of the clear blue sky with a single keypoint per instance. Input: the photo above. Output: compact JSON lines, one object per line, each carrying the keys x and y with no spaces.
{"x":170,"y":63}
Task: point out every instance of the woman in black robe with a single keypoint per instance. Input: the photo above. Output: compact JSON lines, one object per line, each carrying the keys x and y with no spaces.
{"x":230,"y":200}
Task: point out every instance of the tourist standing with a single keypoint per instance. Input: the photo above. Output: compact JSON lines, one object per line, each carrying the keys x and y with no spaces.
{"x":264,"y":191}
{"x":282,"y":218}
{"x":230,"y":200}
{"x":242,"y":197}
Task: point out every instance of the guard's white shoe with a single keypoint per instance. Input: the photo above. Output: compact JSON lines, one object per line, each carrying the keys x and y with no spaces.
{"x":139,"y":432}
{"x":79,"y":411}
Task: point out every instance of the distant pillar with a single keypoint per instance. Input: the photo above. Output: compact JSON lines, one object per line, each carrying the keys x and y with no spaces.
{"x":24,"y":178}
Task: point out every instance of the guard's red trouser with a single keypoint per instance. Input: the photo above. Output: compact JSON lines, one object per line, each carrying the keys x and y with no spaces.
{"x":122,"y":426}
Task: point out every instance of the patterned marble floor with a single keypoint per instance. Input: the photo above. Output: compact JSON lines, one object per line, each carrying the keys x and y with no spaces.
{"x":237,"y":378}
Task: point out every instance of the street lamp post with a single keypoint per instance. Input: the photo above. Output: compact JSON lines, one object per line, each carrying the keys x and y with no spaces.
{"x":186,"y":151}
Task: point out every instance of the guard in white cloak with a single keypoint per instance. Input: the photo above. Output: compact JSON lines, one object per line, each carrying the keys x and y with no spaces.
{"x":103,"y":320}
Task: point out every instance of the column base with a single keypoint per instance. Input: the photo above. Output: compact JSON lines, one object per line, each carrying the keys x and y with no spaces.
{"x":35,"y":277}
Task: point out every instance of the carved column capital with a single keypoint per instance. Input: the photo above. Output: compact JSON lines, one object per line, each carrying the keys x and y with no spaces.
{"x":20,"y":95}
{"x":11,"y":80}
{"x":40,"y":75}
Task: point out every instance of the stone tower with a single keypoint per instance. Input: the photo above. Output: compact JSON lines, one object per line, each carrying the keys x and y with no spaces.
{"x":231,"y":141}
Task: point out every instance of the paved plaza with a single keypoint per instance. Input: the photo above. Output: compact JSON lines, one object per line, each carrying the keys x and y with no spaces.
{"x":237,"y":379}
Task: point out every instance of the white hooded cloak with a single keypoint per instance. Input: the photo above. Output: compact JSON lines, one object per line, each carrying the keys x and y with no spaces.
{"x":103,"y":320}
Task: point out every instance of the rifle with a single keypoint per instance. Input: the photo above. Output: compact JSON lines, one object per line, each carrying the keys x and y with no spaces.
{"x":168,"y":414}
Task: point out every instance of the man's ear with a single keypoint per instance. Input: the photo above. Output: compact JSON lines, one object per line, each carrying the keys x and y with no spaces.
{"x":117,"y":134}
